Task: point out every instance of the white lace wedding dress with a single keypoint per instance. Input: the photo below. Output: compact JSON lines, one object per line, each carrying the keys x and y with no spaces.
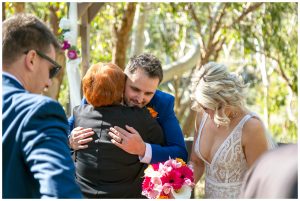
{"x":224,"y":175}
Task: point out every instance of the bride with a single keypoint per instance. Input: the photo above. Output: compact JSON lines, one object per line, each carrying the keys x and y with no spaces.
{"x":228,"y":138}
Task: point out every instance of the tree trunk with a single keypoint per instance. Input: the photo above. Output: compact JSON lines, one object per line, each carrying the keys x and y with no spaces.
{"x":85,"y":43}
{"x":184,"y":64}
{"x":189,"y":124}
{"x":86,"y":13}
{"x":54,"y":89}
{"x":121,"y":36}
{"x":3,"y":11}
{"x":54,"y":19}
{"x":138,"y":37}
{"x":19,"y":7}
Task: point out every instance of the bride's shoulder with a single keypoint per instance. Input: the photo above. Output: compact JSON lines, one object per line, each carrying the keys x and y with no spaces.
{"x":254,"y":124}
{"x":253,"y":129}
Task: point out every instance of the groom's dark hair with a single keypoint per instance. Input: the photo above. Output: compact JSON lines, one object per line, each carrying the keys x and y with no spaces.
{"x":149,"y":63}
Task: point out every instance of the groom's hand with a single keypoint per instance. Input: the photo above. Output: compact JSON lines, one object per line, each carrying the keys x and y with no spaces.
{"x":130,"y":141}
{"x":79,"y":137}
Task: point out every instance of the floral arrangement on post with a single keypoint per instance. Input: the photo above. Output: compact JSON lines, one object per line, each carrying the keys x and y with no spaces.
{"x":66,"y":37}
{"x":168,"y":180}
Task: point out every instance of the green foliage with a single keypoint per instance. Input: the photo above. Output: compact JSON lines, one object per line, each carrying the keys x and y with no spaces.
{"x":171,"y":30}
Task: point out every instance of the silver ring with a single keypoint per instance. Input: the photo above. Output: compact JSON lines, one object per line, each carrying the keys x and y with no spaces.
{"x":121,"y":141}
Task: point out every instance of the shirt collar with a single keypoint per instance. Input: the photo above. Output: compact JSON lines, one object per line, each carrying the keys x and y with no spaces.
{"x":12,"y":77}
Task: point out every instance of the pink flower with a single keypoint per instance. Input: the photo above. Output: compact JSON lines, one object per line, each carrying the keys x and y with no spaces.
{"x":155,"y":166}
{"x":174,"y":178}
{"x":72,"y":54}
{"x":147,"y":184}
{"x":186,"y":172}
{"x":66,"y":45}
{"x":168,"y":179}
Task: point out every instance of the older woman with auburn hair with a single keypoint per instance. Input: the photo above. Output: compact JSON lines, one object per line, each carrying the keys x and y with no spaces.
{"x":103,"y":170}
{"x":103,"y":85}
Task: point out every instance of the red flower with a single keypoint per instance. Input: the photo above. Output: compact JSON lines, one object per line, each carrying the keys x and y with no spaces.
{"x":173,"y":178}
{"x":186,"y":172}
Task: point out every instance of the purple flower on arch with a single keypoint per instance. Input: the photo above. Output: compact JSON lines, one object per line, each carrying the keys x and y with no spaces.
{"x":72,"y":54}
{"x":66,"y":45}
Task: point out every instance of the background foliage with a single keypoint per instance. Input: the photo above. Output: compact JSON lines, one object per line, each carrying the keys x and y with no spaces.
{"x":257,"y":40}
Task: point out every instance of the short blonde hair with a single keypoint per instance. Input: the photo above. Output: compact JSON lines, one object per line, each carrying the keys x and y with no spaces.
{"x":215,"y":88}
{"x":103,"y":84}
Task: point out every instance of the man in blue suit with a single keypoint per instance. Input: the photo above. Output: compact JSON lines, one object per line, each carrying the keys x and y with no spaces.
{"x":144,"y":73}
{"x":36,"y":161}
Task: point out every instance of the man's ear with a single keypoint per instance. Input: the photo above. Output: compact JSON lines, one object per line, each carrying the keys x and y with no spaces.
{"x":30,"y":60}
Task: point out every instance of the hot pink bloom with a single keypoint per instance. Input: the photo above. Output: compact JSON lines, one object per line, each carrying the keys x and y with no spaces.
{"x":155,"y":166}
{"x":72,"y":54}
{"x":186,"y":172}
{"x":147,"y":184}
{"x":66,"y":45}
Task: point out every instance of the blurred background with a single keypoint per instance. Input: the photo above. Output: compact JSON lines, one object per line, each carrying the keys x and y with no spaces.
{"x":257,"y":40}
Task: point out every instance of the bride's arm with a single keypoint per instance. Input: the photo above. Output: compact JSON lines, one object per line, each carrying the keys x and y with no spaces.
{"x":253,"y":140}
{"x":195,"y":161}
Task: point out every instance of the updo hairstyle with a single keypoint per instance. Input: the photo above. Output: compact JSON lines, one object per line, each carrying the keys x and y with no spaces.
{"x":215,"y":88}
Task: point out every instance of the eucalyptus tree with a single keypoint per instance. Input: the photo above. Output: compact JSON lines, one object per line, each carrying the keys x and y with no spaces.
{"x":270,"y":47}
{"x":257,"y":39}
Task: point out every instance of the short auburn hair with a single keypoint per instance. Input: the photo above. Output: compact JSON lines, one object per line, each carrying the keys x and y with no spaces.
{"x":103,"y":84}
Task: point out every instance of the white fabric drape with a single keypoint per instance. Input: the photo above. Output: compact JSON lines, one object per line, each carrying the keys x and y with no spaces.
{"x":74,"y":82}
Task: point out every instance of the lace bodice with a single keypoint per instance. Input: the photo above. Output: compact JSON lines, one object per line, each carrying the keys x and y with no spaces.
{"x":225,"y":173}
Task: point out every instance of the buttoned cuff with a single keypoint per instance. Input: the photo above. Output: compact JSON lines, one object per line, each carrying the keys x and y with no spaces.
{"x":148,"y":154}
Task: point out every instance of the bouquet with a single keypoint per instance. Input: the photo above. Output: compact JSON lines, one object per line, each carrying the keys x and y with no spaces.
{"x":171,"y":179}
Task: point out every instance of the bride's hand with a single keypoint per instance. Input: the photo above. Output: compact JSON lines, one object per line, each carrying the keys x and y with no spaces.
{"x":129,"y":140}
{"x":79,"y":137}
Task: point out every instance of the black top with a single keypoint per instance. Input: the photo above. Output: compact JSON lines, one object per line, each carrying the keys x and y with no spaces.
{"x":103,"y":170}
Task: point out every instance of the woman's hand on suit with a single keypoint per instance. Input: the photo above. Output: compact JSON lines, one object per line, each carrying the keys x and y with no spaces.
{"x":79,"y":137}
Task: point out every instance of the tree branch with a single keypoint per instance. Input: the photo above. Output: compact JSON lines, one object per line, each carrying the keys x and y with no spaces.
{"x":198,"y":24}
{"x":245,"y":13}
{"x":127,"y":18}
{"x":219,"y":20}
{"x":280,"y":71}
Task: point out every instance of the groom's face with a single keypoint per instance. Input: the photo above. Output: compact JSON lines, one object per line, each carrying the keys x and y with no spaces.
{"x":139,"y":88}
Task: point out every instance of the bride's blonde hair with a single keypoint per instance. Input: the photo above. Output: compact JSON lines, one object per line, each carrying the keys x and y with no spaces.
{"x":215,"y":88}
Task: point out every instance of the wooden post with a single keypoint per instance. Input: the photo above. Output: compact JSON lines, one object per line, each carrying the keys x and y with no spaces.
{"x":85,"y":44}
{"x":86,"y":12}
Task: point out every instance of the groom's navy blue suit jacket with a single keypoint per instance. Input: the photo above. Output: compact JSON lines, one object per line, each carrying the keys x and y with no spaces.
{"x":163,"y":103}
{"x":36,"y":160}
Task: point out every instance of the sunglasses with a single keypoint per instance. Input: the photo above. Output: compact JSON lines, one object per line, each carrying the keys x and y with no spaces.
{"x":55,"y":68}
